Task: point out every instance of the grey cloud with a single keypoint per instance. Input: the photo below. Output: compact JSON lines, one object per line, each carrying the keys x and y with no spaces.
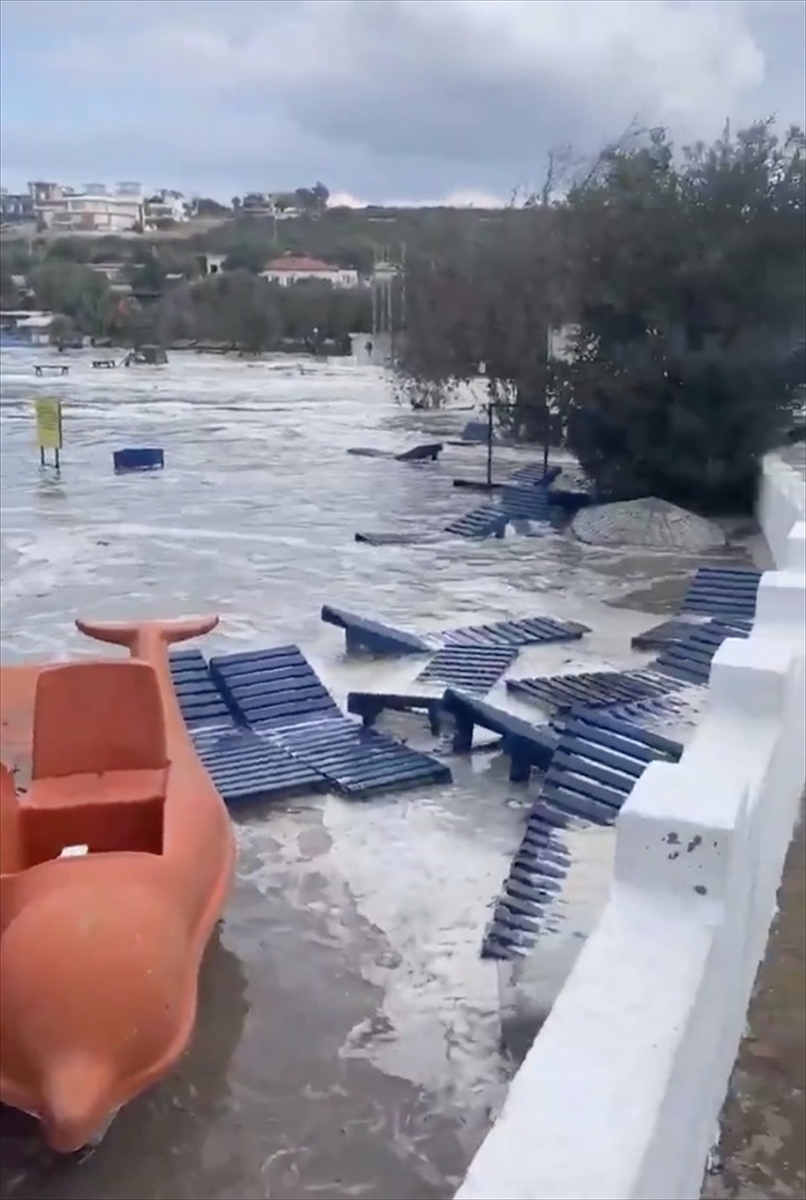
{"x":385,"y":98}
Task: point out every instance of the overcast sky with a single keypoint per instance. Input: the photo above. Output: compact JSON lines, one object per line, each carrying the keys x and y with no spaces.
{"x":383,"y":100}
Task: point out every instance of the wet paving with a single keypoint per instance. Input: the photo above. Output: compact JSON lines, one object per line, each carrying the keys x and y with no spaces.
{"x":350,"y":1039}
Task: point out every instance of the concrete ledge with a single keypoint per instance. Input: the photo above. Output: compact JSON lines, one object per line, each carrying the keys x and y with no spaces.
{"x":781,"y":506}
{"x":620,"y":1094}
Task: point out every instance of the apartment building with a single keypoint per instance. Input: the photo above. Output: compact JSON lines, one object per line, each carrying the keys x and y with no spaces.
{"x":93,"y":209}
{"x":166,"y":205}
{"x":274,"y":205}
{"x":15,"y":207}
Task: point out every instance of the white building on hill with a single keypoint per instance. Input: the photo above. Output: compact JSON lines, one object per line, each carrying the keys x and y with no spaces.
{"x":293,"y":269}
{"x":92,"y":210}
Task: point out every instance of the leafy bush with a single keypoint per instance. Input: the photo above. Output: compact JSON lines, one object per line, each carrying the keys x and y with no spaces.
{"x":684,"y":279}
{"x":692,"y":278}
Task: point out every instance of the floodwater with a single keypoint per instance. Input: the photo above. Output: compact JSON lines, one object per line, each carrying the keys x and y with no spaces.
{"x":349,"y":1039}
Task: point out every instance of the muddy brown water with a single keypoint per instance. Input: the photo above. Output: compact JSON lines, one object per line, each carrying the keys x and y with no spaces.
{"x":265,"y":1101}
{"x":349,"y":1040}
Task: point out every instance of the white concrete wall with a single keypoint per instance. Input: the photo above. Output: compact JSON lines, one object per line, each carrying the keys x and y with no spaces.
{"x":621,"y":1092}
{"x":780,"y":505}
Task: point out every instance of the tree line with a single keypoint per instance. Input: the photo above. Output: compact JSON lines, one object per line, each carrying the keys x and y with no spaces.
{"x":237,"y":308}
{"x":680,"y":275}
{"x":351,"y":238}
{"x":255,"y":315}
{"x":169,"y":292}
{"x":681,"y":279}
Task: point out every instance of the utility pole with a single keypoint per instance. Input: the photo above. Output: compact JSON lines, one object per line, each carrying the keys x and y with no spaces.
{"x":490,"y":445}
{"x":374,"y":294}
{"x":388,"y":290}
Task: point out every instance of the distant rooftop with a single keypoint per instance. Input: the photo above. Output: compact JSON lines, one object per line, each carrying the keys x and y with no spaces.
{"x":299,"y":264}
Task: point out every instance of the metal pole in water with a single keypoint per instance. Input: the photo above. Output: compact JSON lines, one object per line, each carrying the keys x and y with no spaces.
{"x":489,"y":445}
{"x":546,"y":434}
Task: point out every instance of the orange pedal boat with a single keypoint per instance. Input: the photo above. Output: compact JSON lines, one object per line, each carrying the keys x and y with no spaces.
{"x":115,"y":865}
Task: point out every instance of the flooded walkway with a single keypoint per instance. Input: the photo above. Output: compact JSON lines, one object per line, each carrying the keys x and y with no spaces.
{"x":270,"y":1101}
{"x":349,"y":1035}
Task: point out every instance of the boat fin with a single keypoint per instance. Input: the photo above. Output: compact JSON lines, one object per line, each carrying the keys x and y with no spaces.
{"x":130,"y":635}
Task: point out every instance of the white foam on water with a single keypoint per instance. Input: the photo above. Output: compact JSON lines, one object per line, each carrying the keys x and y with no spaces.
{"x":254,"y":516}
{"x":411,"y":876}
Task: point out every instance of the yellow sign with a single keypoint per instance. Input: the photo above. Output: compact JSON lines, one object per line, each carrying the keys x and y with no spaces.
{"x":48,"y":422}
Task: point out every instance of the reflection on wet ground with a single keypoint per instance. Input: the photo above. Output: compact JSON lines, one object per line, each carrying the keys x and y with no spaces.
{"x":349,"y":1038}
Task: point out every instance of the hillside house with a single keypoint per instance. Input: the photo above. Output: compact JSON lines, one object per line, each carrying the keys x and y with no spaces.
{"x":15,"y":207}
{"x":276,"y":206}
{"x":292,"y":269}
{"x":95,"y":209}
{"x":166,"y":205}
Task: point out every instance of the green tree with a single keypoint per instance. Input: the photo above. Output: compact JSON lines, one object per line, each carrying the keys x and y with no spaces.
{"x":246,"y":256}
{"x":75,"y":291}
{"x":134,"y":325}
{"x":74,"y":250}
{"x":10,"y":296}
{"x":321,"y":195}
{"x":238,"y":308}
{"x":206,"y":207}
{"x":305,"y":199}
{"x":61,"y":329}
{"x":111,"y":248}
{"x":16,"y":257}
{"x":484,"y":299}
{"x":334,"y":313}
{"x":686,"y":280}
{"x":174,"y":316}
{"x":147,"y":275}
{"x":312,"y":200}
{"x":692,"y":279}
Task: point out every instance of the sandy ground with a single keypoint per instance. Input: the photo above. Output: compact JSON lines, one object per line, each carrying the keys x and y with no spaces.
{"x":762,"y":1152}
{"x":763,"y":1146}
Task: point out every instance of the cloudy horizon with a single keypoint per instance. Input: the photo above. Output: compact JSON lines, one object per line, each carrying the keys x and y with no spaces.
{"x":407,"y":101}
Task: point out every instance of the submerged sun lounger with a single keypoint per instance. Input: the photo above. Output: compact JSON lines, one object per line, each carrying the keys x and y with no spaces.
{"x":266,"y":727}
